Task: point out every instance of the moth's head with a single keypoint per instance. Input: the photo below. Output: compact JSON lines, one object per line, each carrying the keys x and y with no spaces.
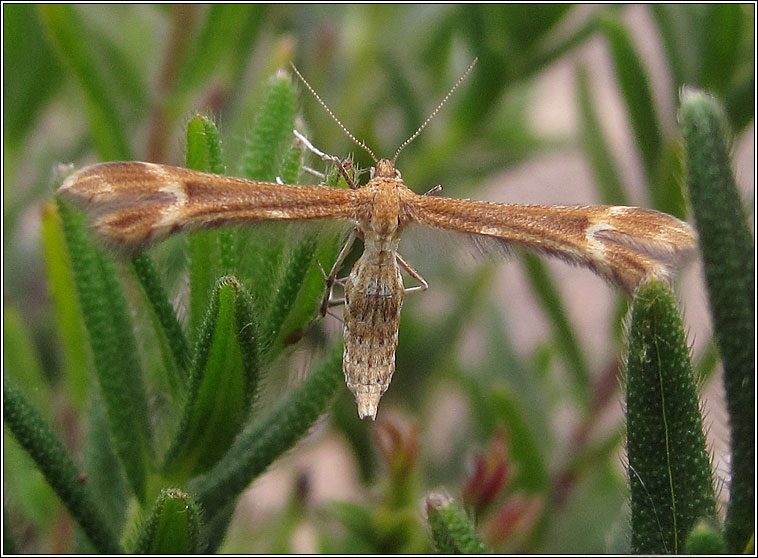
{"x":385,"y":169}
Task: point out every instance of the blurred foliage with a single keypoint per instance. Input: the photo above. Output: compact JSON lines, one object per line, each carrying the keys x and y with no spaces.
{"x":78,"y":88}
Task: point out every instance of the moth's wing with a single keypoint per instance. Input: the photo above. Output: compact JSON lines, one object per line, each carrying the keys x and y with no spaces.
{"x":625,"y":245}
{"x":132,"y":204}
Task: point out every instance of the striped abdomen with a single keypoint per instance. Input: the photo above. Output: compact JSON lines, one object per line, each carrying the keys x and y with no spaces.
{"x":373,"y":300}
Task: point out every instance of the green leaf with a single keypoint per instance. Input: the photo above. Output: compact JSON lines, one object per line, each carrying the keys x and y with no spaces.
{"x":30,"y":497}
{"x":721,"y":47}
{"x":705,"y":539}
{"x":607,"y":178}
{"x":667,"y":190}
{"x":225,"y":27}
{"x":673,"y":21}
{"x":114,"y":348}
{"x":727,"y":248}
{"x":211,"y":253}
{"x":105,"y":476}
{"x":36,"y":437}
{"x":282,"y":271}
{"x":297,"y":264}
{"x":635,"y":90}
{"x":263,"y":441}
{"x":214,"y":528}
{"x":268,"y":149}
{"x":20,"y":360}
{"x":531,"y":473}
{"x":563,"y":333}
{"x":68,"y":34}
{"x":223,"y":380}
{"x":68,"y":315}
{"x":357,"y":519}
{"x":9,"y":543}
{"x":147,"y":275}
{"x":31,"y":71}
{"x":173,"y":526}
{"x":204,"y":145}
{"x":269,"y":144}
{"x":740,"y":102}
{"x":669,"y":467}
{"x":452,"y":531}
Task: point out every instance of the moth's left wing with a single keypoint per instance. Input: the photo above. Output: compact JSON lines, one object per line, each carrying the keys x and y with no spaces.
{"x":132,"y":204}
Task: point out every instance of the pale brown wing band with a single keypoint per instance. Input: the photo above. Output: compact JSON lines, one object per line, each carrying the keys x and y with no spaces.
{"x":623,"y":244}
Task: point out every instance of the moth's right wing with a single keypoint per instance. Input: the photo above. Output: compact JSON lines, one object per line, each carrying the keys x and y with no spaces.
{"x":132,"y":204}
{"x":625,"y":245}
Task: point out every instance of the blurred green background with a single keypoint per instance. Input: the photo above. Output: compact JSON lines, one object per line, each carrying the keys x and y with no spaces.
{"x":567,"y":104}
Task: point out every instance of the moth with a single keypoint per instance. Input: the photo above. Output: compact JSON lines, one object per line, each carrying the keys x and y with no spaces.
{"x":132,"y":205}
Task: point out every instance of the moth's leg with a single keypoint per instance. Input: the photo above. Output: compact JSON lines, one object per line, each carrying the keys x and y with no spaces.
{"x":332,"y":277}
{"x":422,"y":286}
{"x":314,"y":172}
{"x":329,"y":158}
{"x":327,"y":297}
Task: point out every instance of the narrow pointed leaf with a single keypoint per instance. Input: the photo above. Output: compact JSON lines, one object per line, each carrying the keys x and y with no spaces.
{"x":269,"y":144}
{"x":68,"y":315}
{"x":297,"y":262}
{"x":669,"y":467}
{"x":114,"y":348}
{"x":607,"y":178}
{"x":211,"y":253}
{"x":725,"y":24}
{"x":223,"y":29}
{"x":20,"y":360}
{"x":635,"y":90}
{"x":667,"y":194}
{"x":37,"y":75}
{"x":268,"y":149}
{"x":263,"y":441}
{"x":105,"y":477}
{"x":705,"y":539}
{"x":38,"y":439}
{"x":69,"y":36}
{"x":164,"y":311}
{"x":547,"y":292}
{"x":452,"y":530}
{"x":223,"y":379}
{"x":728,"y":251}
{"x":173,"y":526}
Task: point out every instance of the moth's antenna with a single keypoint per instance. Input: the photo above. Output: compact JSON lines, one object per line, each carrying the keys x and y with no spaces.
{"x":337,"y":120}
{"x":434,"y":112}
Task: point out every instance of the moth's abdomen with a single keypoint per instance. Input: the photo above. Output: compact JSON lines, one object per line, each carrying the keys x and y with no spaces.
{"x":373,"y":300}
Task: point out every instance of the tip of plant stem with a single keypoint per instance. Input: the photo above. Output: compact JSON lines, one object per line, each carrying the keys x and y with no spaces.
{"x":435,"y":500}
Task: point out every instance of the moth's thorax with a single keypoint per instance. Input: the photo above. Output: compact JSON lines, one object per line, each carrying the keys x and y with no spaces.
{"x":383,"y":210}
